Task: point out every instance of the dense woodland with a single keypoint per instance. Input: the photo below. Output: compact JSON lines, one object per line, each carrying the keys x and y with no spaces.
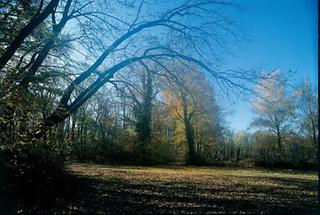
{"x":132,"y":82}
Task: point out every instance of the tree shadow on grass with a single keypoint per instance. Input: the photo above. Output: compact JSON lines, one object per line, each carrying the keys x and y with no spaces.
{"x":79,"y":194}
{"x":123,"y":197}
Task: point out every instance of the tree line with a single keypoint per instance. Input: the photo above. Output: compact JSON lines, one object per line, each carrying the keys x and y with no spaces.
{"x":81,"y":81}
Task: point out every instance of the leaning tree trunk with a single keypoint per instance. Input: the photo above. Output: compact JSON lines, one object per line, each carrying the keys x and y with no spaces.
{"x":65,"y":110}
{"x":57,"y":28}
{"x":26,"y":31}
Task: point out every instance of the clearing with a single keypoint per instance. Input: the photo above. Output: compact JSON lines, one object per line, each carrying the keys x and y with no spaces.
{"x":105,"y":189}
{"x":191,"y":190}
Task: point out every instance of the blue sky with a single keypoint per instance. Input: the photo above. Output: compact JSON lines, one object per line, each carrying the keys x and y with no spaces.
{"x":284,"y":36}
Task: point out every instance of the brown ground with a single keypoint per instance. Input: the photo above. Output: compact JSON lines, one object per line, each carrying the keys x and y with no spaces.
{"x":183,"y":190}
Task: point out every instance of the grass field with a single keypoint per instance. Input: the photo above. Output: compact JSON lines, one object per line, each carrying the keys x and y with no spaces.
{"x":191,"y":190}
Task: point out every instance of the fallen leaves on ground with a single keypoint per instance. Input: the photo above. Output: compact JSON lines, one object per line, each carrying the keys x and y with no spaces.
{"x":191,"y":190}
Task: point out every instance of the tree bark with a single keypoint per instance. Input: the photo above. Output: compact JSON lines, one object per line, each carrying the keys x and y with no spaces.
{"x":192,"y":157}
{"x":189,"y":133}
{"x":143,"y":125}
{"x":279,"y":145}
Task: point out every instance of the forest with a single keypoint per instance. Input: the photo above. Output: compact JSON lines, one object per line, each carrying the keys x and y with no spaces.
{"x":122,"y":107}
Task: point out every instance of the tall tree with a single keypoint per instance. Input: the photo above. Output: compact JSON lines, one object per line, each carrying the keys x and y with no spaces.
{"x":190,"y":95}
{"x":274,"y":108}
{"x":172,"y":20}
{"x":307,"y":109}
{"x":144,"y":35}
{"x":138,"y":88}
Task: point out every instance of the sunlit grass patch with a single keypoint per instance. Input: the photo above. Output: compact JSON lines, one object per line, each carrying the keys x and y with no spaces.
{"x":202,"y":189}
